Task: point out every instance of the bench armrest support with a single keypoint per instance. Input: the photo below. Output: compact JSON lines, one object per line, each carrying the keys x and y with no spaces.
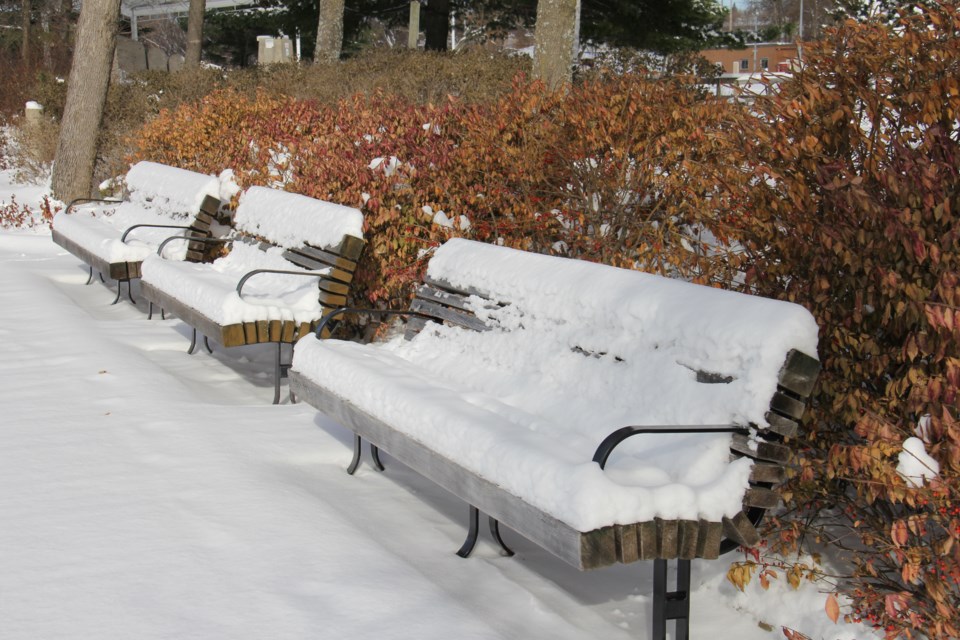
{"x":123,"y":238}
{"x":192,"y":239}
{"x":327,"y":319}
{"x":85,"y":200}
{"x":247,"y":276}
{"x":614,"y":439}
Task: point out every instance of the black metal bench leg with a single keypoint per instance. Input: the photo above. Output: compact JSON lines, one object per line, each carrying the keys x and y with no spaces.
{"x":150,"y":311}
{"x":472,"y":534}
{"x":90,"y":277}
{"x":495,"y":532}
{"x":119,"y":291}
{"x":671,"y":605}
{"x":206,"y":344}
{"x":357,"y":443}
{"x":375,"y":455}
{"x":193,"y":342}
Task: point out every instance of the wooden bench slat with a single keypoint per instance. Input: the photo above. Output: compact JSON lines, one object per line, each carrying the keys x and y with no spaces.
{"x":327,"y":258}
{"x":767,"y":472}
{"x":689,"y":531}
{"x":627,"y":546}
{"x":761,"y":497}
{"x":335,"y":273}
{"x":741,"y":530}
{"x":454,"y":316}
{"x":781,"y":425}
{"x":787,"y":406}
{"x":759,"y":450}
{"x":709,"y":539}
{"x":668,"y":539}
{"x":799,"y":373}
{"x":445,"y":298}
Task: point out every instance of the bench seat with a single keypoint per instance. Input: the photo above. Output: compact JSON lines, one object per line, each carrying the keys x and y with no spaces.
{"x":541,"y":358}
{"x":113,"y":237}
{"x":240,"y":298}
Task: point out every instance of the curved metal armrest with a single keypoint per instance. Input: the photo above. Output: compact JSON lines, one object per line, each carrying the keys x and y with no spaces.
{"x":614,"y":439}
{"x":83,"y":200}
{"x":367,"y":312}
{"x":123,"y":238}
{"x":192,"y":239}
{"x":247,"y":276}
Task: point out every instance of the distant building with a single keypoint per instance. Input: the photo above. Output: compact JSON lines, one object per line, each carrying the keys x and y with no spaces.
{"x":755,"y":58}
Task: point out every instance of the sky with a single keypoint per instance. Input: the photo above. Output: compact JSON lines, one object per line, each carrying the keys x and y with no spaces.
{"x":147,"y":493}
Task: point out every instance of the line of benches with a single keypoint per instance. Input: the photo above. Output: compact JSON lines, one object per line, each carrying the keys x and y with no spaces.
{"x":609,"y":416}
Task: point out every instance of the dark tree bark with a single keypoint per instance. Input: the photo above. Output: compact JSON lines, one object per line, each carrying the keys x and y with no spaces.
{"x":436,"y":17}
{"x":25,"y":30}
{"x":194,"y":34}
{"x":86,"y":94}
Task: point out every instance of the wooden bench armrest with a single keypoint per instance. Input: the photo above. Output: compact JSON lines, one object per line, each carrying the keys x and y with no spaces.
{"x":123,"y":238}
{"x":85,"y":200}
{"x":315,"y":274}
{"x":327,"y":319}
{"x":614,"y":439}
{"x":192,"y":239}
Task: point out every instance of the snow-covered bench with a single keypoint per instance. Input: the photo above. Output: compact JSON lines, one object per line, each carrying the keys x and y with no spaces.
{"x":291,"y":260}
{"x":520,"y":374}
{"x":114,"y":236}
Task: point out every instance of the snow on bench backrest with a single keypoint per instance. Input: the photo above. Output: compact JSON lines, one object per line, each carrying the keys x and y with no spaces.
{"x":653,"y":334}
{"x":171,"y":191}
{"x":291,"y":220}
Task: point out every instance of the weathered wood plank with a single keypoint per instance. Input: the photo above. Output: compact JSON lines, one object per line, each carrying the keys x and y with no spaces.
{"x":351,"y":247}
{"x":332,"y":300}
{"x":786,"y":406}
{"x":263,"y":331}
{"x":588,"y":550}
{"x":668,"y":538}
{"x":454,"y":316}
{"x":289,"y":332}
{"x":647,"y":540}
{"x":741,"y":530}
{"x":768,"y":451}
{"x":275,"y":334}
{"x":765,"y":472}
{"x":781,"y":425}
{"x":305,"y":262}
{"x":799,"y":373}
{"x":250,"y":332}
{"x":626,"y":537}
{"x":761,"y":497}
{"x":331,"y":286}
{"x":708,"y":540}
{"x":328,"y":258}
{"x":689,"y":531}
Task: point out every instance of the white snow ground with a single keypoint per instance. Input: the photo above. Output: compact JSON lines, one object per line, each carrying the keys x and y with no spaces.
{"x":149,"y":494}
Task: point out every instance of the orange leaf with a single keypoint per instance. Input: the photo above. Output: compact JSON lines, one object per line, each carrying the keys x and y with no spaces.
{"x":832,"y":607}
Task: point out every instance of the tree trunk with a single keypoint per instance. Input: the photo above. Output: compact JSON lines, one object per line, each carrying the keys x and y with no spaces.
{"x":194,"y":34}
{"x":329,"y":31}
{"x":86,"y":94}
{"x":437,"y":24}
{"x":25,"y":30}
{"x":557,"y":40}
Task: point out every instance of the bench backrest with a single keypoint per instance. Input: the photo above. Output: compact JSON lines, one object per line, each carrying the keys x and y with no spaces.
{"x":313,"y":233}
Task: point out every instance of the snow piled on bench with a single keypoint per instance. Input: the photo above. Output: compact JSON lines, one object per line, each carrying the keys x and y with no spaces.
{"x":169,"y":190}
{"x":286,"y":219}
{"x":586,"y":349}
{"x":157,"y":194}
{"x":211,"y":288}
{"x":290,"y":220}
